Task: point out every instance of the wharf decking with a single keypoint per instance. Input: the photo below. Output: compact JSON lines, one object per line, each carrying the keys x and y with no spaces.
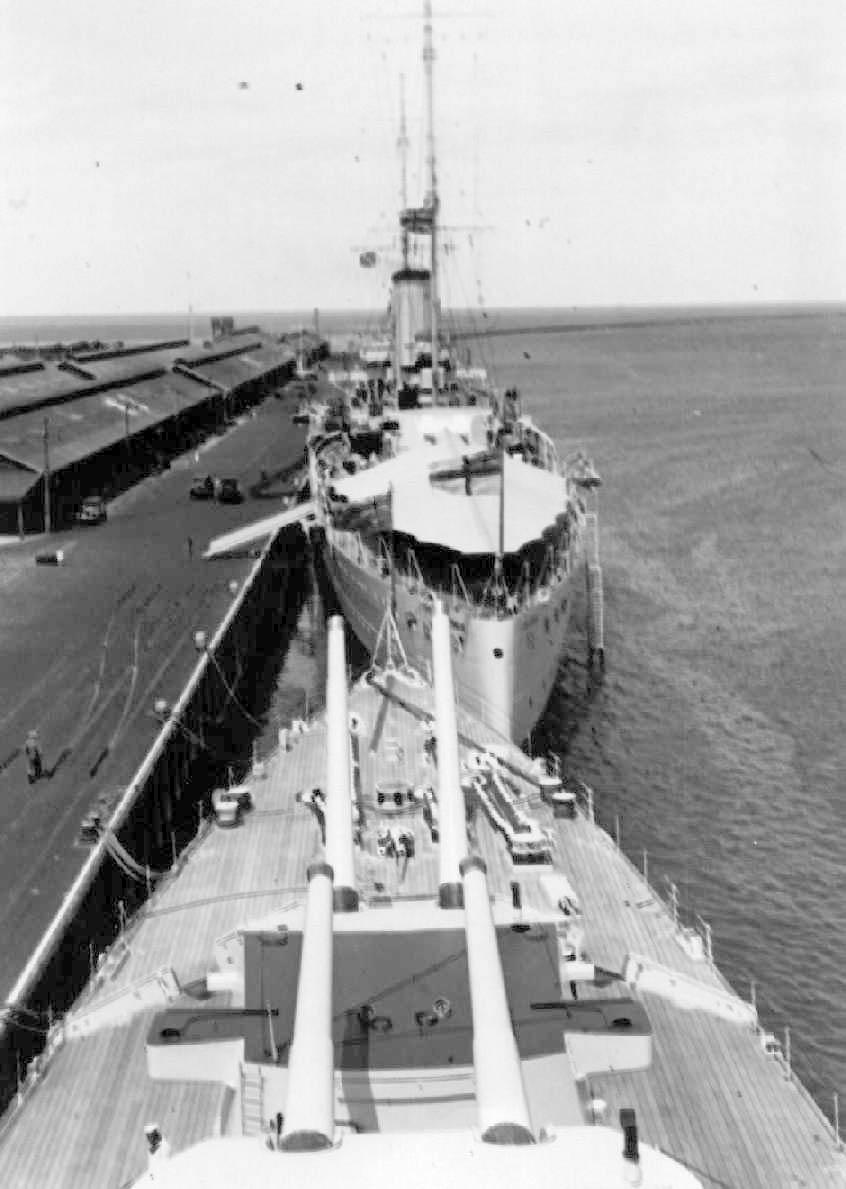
{"x":713,"y":1098}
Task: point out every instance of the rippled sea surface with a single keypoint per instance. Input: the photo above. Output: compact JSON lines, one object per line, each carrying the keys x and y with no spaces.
{"x":717,"y":733}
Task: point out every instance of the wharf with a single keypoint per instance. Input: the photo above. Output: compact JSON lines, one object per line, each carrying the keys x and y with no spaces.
{"x":87,"y":647}
{"x":713,"y":1098}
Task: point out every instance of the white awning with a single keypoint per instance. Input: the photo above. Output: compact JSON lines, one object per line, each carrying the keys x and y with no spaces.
{"x":441,"y":513}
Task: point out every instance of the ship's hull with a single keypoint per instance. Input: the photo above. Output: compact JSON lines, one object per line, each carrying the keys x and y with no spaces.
{"x":504,"y":668}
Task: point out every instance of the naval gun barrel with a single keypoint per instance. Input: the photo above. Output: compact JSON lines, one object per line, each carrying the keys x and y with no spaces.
{"x":310,"y":1101}
{"x":339,"y":821}
{"x":503,"y":1111}
{"x":453,"y":831}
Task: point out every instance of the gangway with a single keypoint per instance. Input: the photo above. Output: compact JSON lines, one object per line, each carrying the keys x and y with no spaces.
{"x":240,"y":540}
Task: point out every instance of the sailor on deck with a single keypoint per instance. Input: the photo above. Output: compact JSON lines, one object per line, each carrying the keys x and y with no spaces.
{"x":468,"y":481}
{"x":34,"y":767}
{"x":158,"y":1149}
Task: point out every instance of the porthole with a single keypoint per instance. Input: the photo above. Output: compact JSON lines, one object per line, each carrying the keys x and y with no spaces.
{"x":498,"y":653}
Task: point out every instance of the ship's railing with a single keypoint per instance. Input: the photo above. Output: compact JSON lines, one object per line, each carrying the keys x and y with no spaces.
{"x":456,"y":595}
{"x":537,"y":443}
{"x":695,"y":937}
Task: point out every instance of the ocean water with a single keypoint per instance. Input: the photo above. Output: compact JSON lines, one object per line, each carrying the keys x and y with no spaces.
{"x":716,"y":735}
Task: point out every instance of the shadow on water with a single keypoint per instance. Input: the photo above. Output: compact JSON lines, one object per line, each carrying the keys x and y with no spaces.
{"x":578,"y":693}
{"x":575,"y":700}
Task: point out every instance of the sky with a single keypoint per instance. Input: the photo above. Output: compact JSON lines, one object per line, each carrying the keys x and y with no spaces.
{"x":240,"y":154}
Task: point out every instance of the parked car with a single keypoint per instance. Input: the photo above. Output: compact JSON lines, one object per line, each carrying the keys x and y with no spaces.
{"x":203,"y":487}
{"x":229,"y":492}
{"x":92,"y":510}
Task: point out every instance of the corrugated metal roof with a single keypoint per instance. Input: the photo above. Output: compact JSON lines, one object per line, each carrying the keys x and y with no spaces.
{"x":125,"y":352}
{"x":241,"y":369}
{"x":9,"y":364}
{"x":273,"y":355}
{"x":83,"y":421}
{"x":15,"y":482}
{"x":220,"y":349}
{"x":228,"y":366}
{"x":88,"y":424}
{"x":31,"y":387}
{"x":227,"y":373}
{"x":127,"y":366}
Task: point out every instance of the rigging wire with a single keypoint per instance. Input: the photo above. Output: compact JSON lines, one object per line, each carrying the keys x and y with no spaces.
{"x":232,"y":695}
{"x":126,"y":862}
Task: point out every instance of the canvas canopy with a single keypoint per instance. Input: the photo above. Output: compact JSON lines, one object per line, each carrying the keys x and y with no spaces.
{"x":438,"y":512}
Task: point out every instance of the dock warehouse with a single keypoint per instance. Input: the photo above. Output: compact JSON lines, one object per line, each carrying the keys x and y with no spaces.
{"x":96,"y":422}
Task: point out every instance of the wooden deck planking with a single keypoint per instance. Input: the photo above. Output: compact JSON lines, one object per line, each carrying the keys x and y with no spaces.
{"x":735,"y":1100}
{"x":772,"y":1101}
{"x":103,"y":1145}
{"x":764,"y":1120}
{"x":233,"y":876}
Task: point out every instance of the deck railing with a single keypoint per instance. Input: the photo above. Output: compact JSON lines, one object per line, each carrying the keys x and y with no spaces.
{"x":456,"y":596}
{"x":687,"y":920}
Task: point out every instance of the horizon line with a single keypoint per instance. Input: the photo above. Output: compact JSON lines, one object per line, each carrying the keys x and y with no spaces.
{"x":215,"y":312}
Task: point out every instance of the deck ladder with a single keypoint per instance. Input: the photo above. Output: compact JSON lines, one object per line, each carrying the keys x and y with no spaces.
{"x":252,"y":1099}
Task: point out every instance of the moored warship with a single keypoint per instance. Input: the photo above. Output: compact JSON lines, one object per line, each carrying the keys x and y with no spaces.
{"x":356,"y":971}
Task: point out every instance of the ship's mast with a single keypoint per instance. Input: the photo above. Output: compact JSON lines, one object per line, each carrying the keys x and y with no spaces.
{"x":402,"y":145}
{"x":428,"y":63}
{"x":501,"y":543}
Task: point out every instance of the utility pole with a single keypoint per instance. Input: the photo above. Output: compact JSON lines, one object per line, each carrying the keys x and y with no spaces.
{"x":48,"y":526}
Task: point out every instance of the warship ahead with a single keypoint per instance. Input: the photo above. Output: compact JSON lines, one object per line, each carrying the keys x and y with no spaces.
{"x":438,"y":486}
{"x":405,"y":951}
